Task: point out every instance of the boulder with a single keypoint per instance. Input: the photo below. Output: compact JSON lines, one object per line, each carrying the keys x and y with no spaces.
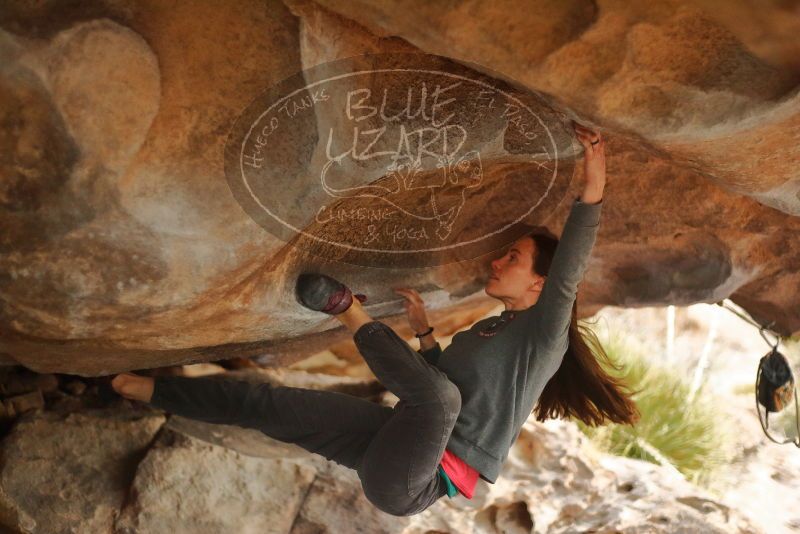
{"x":122,"y":246}
{"x":64,"y":473}
{"x":125,"y":471}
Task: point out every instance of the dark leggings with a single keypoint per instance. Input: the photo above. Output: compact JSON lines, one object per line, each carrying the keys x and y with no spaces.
{"x":395,"y":451}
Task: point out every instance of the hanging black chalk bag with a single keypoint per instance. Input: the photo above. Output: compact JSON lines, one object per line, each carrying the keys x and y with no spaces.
{"x":775,"y":389}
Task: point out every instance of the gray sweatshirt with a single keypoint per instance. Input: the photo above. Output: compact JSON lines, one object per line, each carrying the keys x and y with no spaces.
{"x":502,"y":375}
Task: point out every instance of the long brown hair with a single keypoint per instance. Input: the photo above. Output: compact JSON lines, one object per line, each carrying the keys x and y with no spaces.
{"x":581,"y":387}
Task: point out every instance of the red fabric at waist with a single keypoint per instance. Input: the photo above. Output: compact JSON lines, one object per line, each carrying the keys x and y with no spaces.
{"x":463,"y":476}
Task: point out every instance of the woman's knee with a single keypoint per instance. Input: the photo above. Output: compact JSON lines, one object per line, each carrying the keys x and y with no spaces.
{"x":451,"y":396}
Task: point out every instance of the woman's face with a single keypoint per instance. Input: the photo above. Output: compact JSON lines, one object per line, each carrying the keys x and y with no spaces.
{"x":512,"y":274}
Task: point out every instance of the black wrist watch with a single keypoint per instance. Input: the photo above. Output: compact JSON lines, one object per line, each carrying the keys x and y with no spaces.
{"x":425,"y":333}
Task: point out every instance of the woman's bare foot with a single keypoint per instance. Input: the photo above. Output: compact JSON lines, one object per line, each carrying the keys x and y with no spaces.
{"x":134,"y":387}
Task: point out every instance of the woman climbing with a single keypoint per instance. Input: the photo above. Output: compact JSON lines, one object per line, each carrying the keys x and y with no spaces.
{"x":460,"y":409}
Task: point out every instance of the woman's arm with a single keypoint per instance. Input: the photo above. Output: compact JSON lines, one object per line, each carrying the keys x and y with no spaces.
{"x":553,"y":309}
{"x":594,"y":163}
{"x":430,"y":353}
{"x":418,"y":321}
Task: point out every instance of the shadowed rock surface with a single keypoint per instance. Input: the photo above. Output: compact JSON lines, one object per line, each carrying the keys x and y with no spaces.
{"x":125,"y":470}
{"x":121,"y":246}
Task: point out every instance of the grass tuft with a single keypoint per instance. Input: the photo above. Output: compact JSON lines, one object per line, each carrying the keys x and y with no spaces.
{"x":687,"y":435}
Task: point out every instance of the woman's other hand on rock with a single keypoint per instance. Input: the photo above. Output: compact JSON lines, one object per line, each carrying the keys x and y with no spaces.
{"x":415,"y":309}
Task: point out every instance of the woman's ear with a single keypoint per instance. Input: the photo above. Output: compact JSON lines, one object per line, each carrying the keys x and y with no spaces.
{"x":538,"y":284}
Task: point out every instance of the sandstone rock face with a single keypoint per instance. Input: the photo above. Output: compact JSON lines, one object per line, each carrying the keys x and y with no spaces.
{"x":122,"y":247}
{"x":127,"y":472}
{"x":66,"y":471}
{"x":187,"y":486}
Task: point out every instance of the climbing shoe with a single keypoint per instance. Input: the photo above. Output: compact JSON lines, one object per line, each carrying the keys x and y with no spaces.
{"x":322,"y":293}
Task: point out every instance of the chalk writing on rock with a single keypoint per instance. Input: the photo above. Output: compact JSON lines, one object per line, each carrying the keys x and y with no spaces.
{"x":401,"y":160}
